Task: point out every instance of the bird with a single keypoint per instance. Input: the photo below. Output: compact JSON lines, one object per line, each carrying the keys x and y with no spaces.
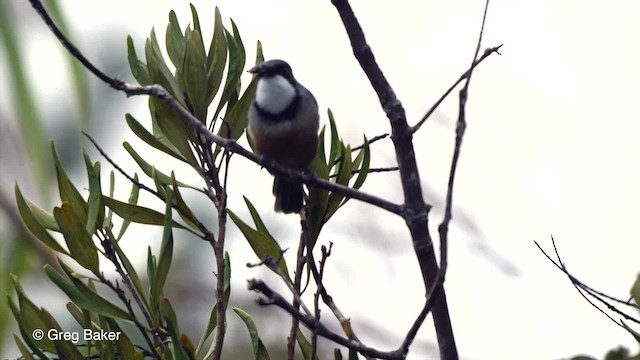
{"x":283,"y":126}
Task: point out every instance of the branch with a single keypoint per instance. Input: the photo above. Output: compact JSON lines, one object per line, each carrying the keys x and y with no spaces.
{"x":583,"y":288}
{"x":416,"y":210}
{"x":462,"y":77}
{"x":273,"y":298}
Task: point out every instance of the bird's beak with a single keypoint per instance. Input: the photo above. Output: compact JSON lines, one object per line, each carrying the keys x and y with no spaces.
{"x":254,"y":70}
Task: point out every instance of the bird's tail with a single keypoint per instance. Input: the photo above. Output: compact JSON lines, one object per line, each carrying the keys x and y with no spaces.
{"x":289,"y":195}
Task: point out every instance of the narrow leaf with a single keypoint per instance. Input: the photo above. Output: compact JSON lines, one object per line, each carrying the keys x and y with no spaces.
{"x":79,"y":242}
{"x":34,"y":225}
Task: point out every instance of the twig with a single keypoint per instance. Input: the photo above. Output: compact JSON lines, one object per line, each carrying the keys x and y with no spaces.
{"x":273,"y":298}
{"x":297,"y":281}
{"x":462,"y":77}
{"x":371,"y":141}
{"x":582,"y":288}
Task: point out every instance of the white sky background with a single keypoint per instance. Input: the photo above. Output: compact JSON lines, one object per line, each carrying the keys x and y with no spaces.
{"x":551,"y":148}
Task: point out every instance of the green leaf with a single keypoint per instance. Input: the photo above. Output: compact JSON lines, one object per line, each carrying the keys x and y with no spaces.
{"x":64,"y":348}
{"x":263,"y":245}
{"x":79,"y":241}
{"x":174,"y":129}
{"x":35,"y":349}
{"x":213,"y":317}
{"x":30,"y":319}
{"x":138,"y":68}
{"x":150,"y":170}
{"x":125,"y":347}
{"x":195,"y":71}
{"x":133,"y":199}
{"x":175,"y":40}
{"x":34,"y":225}
{"x":68,"y":191}
{"x":137,"y":214}
{"x":158,"y":69}
{"x":217,"y":57}
{"x":304,"y":344}
{"x":26,"y":354}
{"x":335,"y":141}
{"x":166,"y":252}
{"x":257,"y":220}
{"x":635,"y":334}
{"x":151,"y":140}
{"x":235,"y":123}
{"x":82,"y":295}
{"x":237,"y":59}
{"x":130,"y":270}
{"x":95,"y":215}
{"x":364,"y":169}
{"x":259,"y":350}
{"x":184,"y":211}
{"x":172,"y":326}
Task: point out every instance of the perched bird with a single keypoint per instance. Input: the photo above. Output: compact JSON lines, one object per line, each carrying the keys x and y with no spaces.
{"x":283,"y":125}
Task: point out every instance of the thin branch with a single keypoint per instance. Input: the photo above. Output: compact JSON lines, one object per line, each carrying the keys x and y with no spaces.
{"x":582,"y":288}
{"x":297,"y":281}
{"x":462,"y":77}
{"x":371,"y":141}
{"x":273,"y":298}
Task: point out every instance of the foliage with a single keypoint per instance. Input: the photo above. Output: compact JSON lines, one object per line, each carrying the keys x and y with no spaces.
{"x":105,"y":305}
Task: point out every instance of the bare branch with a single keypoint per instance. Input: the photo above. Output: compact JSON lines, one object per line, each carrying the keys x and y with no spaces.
{"x":584,"y":290}
{"x":416,"y":210}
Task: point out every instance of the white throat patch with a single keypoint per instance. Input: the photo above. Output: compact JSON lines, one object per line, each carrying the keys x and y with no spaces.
{"x":275,"y":93}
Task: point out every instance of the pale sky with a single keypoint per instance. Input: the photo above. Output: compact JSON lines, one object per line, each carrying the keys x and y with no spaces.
{"x":550,"y":149}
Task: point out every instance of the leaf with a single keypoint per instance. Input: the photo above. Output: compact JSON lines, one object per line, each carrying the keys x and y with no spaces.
{"x":257,"y":220}
{"x":335,"y":141}
{"x":235,"y":123}
{"x":635,"y":291}
{"x":259,"y":350}
{"x":263,"y":245}
{"x":30,"y":319}
{"x":195,"y":71}
{"x":26,"y":336}
{"x":24,"y":351}
{"x":82,"y":295}
{"x":150,"y":170}
{"x":68,"y":191}
{"x":125,"y":347}
{"x":130,"y":270}
{"x":172,"y":326}
{"x":364,"y":169}
{"x":95,"y":215}
{"x":184,"y":211}
{"x":304,"y":344}
{"x":175,"y":40}
{"x":133,"y":199}
{"x":138,"y":68}
{"x":137,"y":214}
{"x":166,"y":253}
{"x":64,"y":348}
{"x":237,"y":59}
{"x":79,"y":241}
{"x":34,"y":225}
{"x":213,"y":317}
{"x":151,"y":140}
{"x":217,"y":57}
